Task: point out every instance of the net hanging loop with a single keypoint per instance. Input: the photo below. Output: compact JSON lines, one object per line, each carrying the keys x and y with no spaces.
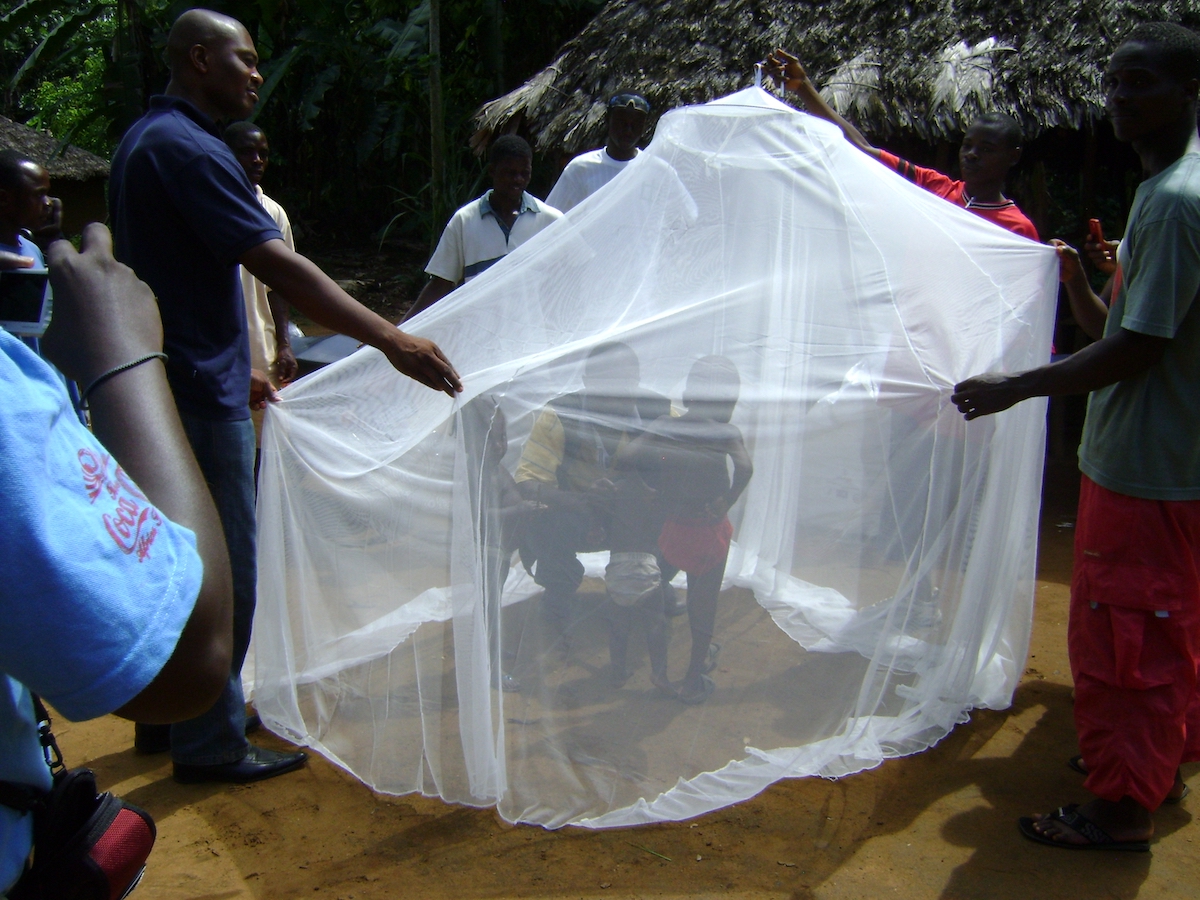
{"x":758,"y":73}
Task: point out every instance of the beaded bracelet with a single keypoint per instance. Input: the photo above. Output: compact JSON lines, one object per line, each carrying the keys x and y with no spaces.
{"x":117,"y":370}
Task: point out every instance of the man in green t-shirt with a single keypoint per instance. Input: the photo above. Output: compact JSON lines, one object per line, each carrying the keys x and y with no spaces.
{"x":1134,"y":632}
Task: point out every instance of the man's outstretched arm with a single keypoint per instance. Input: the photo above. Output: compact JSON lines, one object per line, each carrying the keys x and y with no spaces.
{"x":785,"y":68}
{"x":104,"y":318}
{"x":435,"y":289}
{"x":306,"y":287}
{"x":1115,"y":358}
{"x":285,"y":361}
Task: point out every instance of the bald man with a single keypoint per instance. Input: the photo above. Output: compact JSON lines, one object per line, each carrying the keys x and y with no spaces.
{"x":184,"y":215}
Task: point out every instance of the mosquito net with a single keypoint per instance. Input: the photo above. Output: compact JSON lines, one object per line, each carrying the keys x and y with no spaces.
{"x":703,"y":517}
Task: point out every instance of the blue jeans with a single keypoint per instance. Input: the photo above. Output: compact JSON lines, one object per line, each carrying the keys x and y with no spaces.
{"x":225,"y":452}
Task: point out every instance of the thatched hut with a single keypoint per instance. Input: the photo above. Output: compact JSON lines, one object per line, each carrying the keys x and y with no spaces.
{"x":77,"y":177}
{"x":912,"y":75}
{"x":921,"y":69}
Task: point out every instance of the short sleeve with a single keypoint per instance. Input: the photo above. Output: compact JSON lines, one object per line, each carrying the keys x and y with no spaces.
{"x":29,"y":248}
{"x":213,"y":195}
{"x":448,"y":259}
{"x":98,"y":584}
{"x":279,"y":214}
{"x":1025,"y":228}
{"x":930,"y":179}
{"x":567,"y":192}
{"x":1162,"y":286}
{"x":285,"y":228}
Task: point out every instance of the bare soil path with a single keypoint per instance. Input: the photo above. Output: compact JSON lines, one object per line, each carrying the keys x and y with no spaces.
{"x":937,"y":825}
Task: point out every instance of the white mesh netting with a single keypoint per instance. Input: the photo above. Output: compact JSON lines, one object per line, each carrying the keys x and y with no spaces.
{"x":879,"y":583}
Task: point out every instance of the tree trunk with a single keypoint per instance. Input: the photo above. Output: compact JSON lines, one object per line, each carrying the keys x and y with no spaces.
{"x":437,"y":124}
{"x":1087,"y":177}
{"x":495,"y":44}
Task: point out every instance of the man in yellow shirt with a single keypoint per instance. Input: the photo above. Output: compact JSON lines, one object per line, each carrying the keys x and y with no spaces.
{"x":567,"y":463}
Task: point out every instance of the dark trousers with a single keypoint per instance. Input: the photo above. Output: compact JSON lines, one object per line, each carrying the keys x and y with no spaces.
{"x":225,"y":452}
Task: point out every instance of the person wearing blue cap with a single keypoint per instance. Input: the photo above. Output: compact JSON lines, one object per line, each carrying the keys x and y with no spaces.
{"x":588,"y":172}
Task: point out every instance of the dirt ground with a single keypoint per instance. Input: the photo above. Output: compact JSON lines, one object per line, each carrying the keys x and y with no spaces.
{"x":939,"y":824}
{"x":386,"y":281}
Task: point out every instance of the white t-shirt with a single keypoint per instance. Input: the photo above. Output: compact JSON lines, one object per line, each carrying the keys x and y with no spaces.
{"x":258,"y":310}
{"x":583,"y":176}
{"x":474,"y":239}
{"x":259,"y":320}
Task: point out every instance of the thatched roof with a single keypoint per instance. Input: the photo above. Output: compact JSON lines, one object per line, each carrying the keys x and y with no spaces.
{"x":925,"y":67}
{"x":70,"y":163}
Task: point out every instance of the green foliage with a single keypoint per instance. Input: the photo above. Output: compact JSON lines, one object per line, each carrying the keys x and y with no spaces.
{"x":65,"y":107}
{"x":80,"y":68}
{"x":345,"y":99}
{"x":54,"y":44}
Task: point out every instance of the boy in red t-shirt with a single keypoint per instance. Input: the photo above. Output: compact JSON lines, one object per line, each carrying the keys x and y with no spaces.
{"x":991,"y":146}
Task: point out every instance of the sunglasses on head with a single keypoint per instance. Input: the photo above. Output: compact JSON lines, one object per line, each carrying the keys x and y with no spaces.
{"x":629,"y":101}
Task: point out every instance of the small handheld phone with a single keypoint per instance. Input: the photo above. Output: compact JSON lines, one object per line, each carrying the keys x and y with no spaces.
{"x":1096,"y":231}
{"x":25,"y":301}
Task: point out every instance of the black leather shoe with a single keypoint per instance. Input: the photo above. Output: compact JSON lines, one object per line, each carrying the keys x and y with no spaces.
{"x":258,"y":764}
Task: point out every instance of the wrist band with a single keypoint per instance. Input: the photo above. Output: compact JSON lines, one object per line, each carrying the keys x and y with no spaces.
{"x":117,"y":370}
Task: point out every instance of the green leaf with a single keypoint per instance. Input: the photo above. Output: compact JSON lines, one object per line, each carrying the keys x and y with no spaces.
{"x":407,"y":39}
{"x":310,"y":104}
{"x":78,"y":126}
{"x":27,"y":13}
{"x":275,"y":71}
{"x":56,"y":39}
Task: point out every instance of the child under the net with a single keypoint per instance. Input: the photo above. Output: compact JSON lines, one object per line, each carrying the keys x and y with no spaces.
{"x":685,"y":460}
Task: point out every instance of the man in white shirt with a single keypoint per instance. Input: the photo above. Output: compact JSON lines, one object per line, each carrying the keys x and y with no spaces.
{"x":266,"y":311}
{"x":588,"y":172}
{"x":488,"y":228}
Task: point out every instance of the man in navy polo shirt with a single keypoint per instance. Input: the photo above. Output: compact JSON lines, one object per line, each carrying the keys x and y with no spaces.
{"x":184,"y":215}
